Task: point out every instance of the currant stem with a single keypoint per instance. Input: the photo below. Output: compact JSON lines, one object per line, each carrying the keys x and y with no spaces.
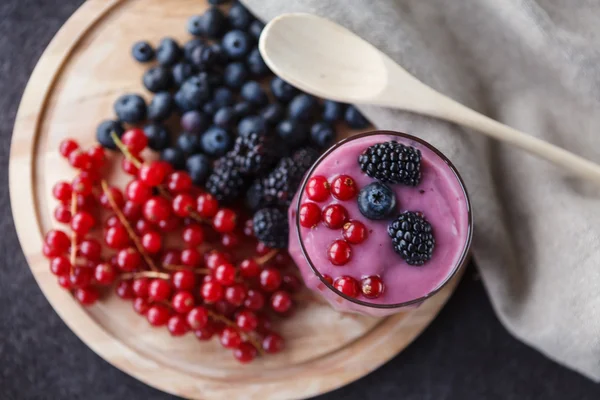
{"x":128,"y":228}
{"x":73,"y":254}
{"x":233,"y":325}
{"x":125,"y":150}
{"x":146,"y":274}
{"x":267,"y":257}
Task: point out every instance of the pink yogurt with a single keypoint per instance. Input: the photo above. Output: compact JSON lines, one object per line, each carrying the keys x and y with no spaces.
{"x":440,"y":196}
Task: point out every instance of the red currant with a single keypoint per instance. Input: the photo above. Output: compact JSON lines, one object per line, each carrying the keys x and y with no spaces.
{"x":291,"y":283}
{"x":255,"y":300}
{"x":124,"y":290}
{"x":132,"y":211}
{"x":272,"y":343}
{"x":130,"y":167}
{"x":264,"y":325}
{"x":140,"y":287}
{"x":179,"y":182}
{"x":116,"y":237}
{"x":372,"y":287}
{"x":152,"y":242}
{"x":193,"y":235}
{"x":317,"y":188}
{"x":158,"y":315}
{"x":105,"y":274}
{"x":57,"y":240}
{"x":245,"y":353}
{"x":97,"y":155}
{"x":230,"y":240}
{"x":182,"y":302}
{"x":339,"y":252}
{"x":183,"y":280}
{"x":157,"y":209}
{"x":80,"y":160}
{"x":129,"y":259}
{"x":135,"y":140}
{"x":197,"y":318}
{"x":93,"y":175}
{"x":282,"y":259}
{"x":347,"y":285}
{"x":335,"y":216}
{"x":225,"y":308}
{"x":328,"y":279}
{"x":205,"y":333}
{"x":62,"y":213}
{"x":215,"y":258}
{"x":354,"y":232}
{"x":230,"y":338}
{"x":142,"y":226}
{"x":137,"y":191}
{"x":310,"y":215}
{"x":141,"y":305}
{"x":153,"y":174}
{"x":90,"y":249}
{"x":82,"y":276}
{"x":177,"y":325}
{"x":246,"y":320}
{"x":249,"y":268}
{"x":281,"y":302}
{"x":182,"y":204}
{"x":171,"y":257}
{"x":159,"y":290}
{"x":344,"y":188}
{"x":211,"y":292}
{"x":86,"y":296}
{"x":206,"y":205}
{"x":170,"y":224}
{"x":67,"y":146}
{"x":224,"y":274}
{"x":62,"y":191}
{"x":224,"y":220}
{"x":65,"y":282}
{"x":82,"y":222}
{"x":82,"y":185}
{"x":262,"y":249}
{"x":270,"y":279}
{"x":60,"y":266}
{"x":112,"y":220}
{"x":235,"y":294}
{"x":116,"y":195}
{"x":191,"y":258}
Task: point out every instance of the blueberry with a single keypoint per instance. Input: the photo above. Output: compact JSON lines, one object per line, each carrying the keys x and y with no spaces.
{"x":354,"y":118}
{"x":173,"y":156}
{"x":333,"y":111}
{"x":215,"y":142}
{"x":256,"y":64}
{"x":130,"y":108}
{"x":196,"y":90}
{"x":211,"y":24}
{"x":283,"y":91}
{"x":104,"y":131}
{"x":223,"y":96}
{"x":225,"y":117}
{"x":255,"y":29}
{"x":273,"y":113}
{"x":168,"y":52}
{"x":235,"y":75}
{"x":243,"y":109}
{"x":376,"y":201}
{"x":142,"y":52}
{"x":181,"y":72}
{"x":157,"y":79}
{"x":182,"y":103}
{"x":252,"y":124}
{"x":236,"y":44}
{"x":213,"y":78}
{"x":292,"y":132}
{"x":239,"y":17}
{"x":322,"y":134}
{"x":188,"y":143}
{"x":194,"y":122}
{"x":254,"y":93}
{"x":194,"y":25}
{"x":158,"y":136}
{"x":210,"y":108}
{"x":220,"y":56}
{"x":161,"y":106}
{"x":198,"y":166}
{"x":204,"y":57}
{"x":303,"y":107}
{"x":189,"y":47}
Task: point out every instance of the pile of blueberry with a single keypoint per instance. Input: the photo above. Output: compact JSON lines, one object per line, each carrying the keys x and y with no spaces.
{"x":220,"y":114}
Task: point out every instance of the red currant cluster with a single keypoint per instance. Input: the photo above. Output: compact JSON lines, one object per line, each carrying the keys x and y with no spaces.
{"x":201,"y":287}
{"x":335,"y":216}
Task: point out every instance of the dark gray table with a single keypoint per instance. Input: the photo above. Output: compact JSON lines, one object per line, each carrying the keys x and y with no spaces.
{"x":464,"y":354}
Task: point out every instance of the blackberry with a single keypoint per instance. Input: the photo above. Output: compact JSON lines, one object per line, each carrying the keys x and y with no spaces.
{"x":412,"y":237}
{"x":392,"y":162}
{"x":225,"y":182}
{"x":271,"y":227}
{"x":255,"y":153}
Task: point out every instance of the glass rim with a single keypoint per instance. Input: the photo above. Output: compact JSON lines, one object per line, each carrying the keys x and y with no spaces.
{"x":464,"y":257}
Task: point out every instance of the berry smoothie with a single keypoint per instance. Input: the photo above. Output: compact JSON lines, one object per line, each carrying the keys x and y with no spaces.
{"x":381,"y":222}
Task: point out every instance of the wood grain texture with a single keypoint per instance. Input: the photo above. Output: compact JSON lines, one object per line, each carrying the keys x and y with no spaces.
{"x":85,"y":67}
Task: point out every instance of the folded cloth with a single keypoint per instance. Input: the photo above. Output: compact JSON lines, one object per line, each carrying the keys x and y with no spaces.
{"x":534,"y":65}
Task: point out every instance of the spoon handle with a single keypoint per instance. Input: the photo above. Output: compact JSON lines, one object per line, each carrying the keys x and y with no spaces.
{"x":420,"y":98}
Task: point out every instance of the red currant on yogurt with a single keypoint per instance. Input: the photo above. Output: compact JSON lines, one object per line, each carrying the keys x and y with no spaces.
{"x":339,"y":252}
{"x":372,"y":287}
{"x":347,"y":285}
{"x":344,"y":188}
{"x":310,"y":215}
{"x":317,"y":188}
{"x":354,"y":232}
{"x":335,"y":216}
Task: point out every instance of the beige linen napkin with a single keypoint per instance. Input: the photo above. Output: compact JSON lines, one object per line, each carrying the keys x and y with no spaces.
{"x":534,"y":65}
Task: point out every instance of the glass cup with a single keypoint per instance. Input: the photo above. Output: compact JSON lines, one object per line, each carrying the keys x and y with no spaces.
{"x":441,"y":196}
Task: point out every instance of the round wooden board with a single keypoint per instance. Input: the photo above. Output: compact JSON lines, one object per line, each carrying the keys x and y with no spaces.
{"x":85,"y":67}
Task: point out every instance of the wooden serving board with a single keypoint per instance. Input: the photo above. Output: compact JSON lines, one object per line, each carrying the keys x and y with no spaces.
{"x":85,"y":67}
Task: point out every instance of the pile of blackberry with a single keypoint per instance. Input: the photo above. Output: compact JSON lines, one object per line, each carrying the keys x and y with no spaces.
{"x":219,"y":113}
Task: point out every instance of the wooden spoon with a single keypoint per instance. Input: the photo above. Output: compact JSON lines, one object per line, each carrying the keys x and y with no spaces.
{"x":327,"y":60}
